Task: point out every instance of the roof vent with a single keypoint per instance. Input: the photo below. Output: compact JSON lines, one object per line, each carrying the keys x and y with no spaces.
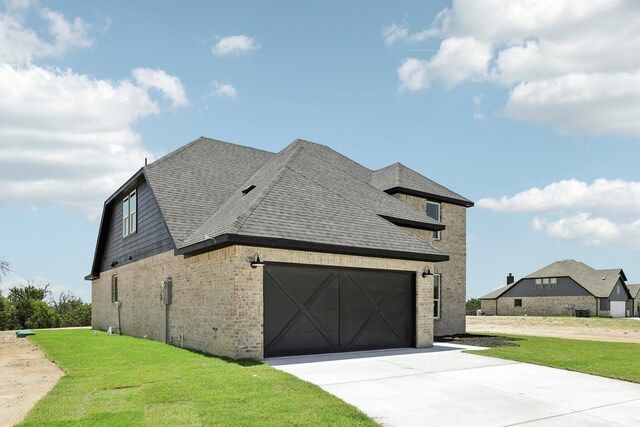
{"x":248,"y":189}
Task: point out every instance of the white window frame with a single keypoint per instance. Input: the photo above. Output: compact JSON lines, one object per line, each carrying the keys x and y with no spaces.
{"x":437,"y":302}
{"x":130,"y":220}
{"x":436,"y":233}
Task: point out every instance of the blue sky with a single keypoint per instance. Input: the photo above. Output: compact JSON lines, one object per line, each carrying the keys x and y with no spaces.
{"x":529,"y":108}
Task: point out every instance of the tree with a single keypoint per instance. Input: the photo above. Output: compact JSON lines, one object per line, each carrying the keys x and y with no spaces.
{"x":8,"y":318}
{"x":473,"y":305}
{"x":24,"y":299}
{"x":4,"y":269}
{"x":71,"y":310}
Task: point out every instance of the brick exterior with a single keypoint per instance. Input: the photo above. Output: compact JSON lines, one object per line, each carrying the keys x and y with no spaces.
{"x":541,"y":306}
{"x":453,"y":241}
{"x":217,"y":303}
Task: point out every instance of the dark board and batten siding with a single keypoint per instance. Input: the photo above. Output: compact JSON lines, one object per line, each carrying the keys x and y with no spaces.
{"x":527,"y":288}
{"x":151,"y":238}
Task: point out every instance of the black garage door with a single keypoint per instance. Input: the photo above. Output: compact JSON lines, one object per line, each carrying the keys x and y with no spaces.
{"x":322,"y":310}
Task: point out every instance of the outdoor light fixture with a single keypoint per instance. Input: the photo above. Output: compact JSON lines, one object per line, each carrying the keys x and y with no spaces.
{"x":257,"y":262}
{"x":427,"y":272}
{"x":114,"y":263}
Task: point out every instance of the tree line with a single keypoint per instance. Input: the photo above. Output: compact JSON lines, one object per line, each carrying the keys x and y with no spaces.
{"x":32,"y":306}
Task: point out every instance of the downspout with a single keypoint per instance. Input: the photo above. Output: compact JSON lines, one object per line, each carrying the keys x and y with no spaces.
{"x":119,"y":304}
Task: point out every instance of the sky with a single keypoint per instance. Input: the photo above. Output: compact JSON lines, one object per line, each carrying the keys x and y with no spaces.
{"x":530,"y":108}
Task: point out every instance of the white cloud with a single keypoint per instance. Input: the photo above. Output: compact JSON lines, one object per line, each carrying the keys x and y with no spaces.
{"x":22,"y":44}
{"x":400,"y":32}
{"x":457,"y":60}
{"x":593,"y":231}
{"x":603,"y":212}
{"x":607,"y":197}
{"x":170,"y":86}
{"x":224,"y":90}
{"x":234,"y":45}
{"x":566,"y":63}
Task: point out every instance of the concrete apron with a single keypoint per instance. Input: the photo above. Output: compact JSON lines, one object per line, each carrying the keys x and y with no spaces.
{"x":442,"y":386}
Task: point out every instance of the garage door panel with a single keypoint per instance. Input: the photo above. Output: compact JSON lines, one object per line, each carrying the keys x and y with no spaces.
{"x":319,"y":309}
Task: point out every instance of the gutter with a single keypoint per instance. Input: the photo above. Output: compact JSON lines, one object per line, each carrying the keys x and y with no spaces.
{"x":225,"y":240}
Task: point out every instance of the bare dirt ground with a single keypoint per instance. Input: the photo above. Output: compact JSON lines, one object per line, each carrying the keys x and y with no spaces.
{"x":26,"y":375}
{"x":579,"y":328}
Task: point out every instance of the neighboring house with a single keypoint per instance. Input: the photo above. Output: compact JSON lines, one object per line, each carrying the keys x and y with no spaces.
{"x":634,"y":290}
{"x":561,"y":288}
{"x":245,"y":253}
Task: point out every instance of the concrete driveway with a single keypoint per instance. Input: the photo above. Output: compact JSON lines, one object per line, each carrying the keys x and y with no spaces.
{"x":442,"y":386}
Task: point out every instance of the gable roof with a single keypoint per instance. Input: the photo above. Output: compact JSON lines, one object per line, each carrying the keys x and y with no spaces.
{"x":599,"y":283}
{"x":397,"y":178}
{"x":634,"y":290}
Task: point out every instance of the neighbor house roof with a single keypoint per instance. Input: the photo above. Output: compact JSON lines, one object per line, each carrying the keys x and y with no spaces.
{"x":634,"y":290}
{"x":308,"y":196}
{"x":599,"y":283}
{"x":397,"y":178}
{"x":495,"y":294}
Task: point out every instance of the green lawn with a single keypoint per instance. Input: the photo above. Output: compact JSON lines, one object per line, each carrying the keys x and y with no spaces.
{"x":606,"y":359}
{"x":122,"y":381}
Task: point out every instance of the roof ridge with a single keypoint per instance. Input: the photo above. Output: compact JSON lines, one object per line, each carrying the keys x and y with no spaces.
{"x":267,"y":189}
{"x":304,"y":141}
{"x":195,"y":141}
{"x":251,"y":207}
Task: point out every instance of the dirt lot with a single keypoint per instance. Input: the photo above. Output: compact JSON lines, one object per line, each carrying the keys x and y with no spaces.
{"x":592,"y":328}
{"x":26,"y":375}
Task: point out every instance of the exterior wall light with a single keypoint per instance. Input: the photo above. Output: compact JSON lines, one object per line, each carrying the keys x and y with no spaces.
{"x":114,"y":263}
{"x":427,"y":272}
{"x":257,"y":262}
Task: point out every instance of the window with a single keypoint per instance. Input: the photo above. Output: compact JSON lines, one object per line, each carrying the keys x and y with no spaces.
{"x":129,"y":214}
{"x":114,"y":288}
{"x":548,"y":283}
{"x":517,"y":302}
{"x":433,"y":211}
{"x":436,"y":296}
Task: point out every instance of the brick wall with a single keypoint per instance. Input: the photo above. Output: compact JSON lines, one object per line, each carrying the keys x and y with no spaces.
{"x":217,"y":304}
{"x":488,"y":307}
{"x":453,"y":242}
{"x":546,"y":306}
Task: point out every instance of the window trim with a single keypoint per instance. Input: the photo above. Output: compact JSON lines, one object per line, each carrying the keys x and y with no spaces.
{"x":114,"y":289}
{"x":437,"y":302}
{"x":130,"y":220}
{"x":546,"y":283}
{"x":436,"y":234}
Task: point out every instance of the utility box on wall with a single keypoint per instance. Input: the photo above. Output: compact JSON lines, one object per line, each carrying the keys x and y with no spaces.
{"x":167,"y":291}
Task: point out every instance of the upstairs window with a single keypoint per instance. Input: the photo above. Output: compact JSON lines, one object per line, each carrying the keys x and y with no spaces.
{"x":129,"y":214}
{"x":547,"y":283}
{"x":436,"y":296}
{"x":433,"y":211}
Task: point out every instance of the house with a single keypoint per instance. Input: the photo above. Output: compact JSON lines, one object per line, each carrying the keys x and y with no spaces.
{"x":634,"y":290}
{"x":245,"y":253}
{"x":561,"y":288}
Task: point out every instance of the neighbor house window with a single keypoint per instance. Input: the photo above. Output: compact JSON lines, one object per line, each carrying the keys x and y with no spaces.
{"x":114,"y":288}
{"x":129,"y":214}
{"x":517,"y":302}
{"x":547,"y":283}
{"x":436,"y":296}
{"x":433,"y":211}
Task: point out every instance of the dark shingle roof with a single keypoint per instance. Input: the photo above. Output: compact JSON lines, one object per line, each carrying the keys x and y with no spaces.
{"x":297,"y":195}
{"x":306,"y":193}
{"x":496,"y":293}
{"x":397,"y":177}
{"x":195,"y":180}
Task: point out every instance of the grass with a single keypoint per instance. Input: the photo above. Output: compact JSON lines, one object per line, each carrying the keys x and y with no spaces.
{"x":606,"y":359}
{"x":123,"y":381}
